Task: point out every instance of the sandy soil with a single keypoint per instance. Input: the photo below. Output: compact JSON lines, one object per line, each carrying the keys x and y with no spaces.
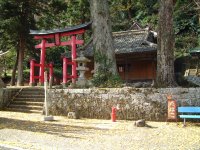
{"x":29,"y":131}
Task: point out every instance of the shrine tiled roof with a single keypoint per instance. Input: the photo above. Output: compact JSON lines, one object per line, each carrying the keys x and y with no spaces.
{"x":133,"y":41}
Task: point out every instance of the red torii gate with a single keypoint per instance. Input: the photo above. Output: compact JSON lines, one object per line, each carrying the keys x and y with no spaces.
{"x":57,"y":34}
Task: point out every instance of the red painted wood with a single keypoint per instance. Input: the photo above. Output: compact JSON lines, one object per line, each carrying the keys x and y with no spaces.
{"x":37,"y":37}
{"x":46,"y":45}
{"x":80,"y":42}
{"x":70,"y":77}
{"x":74,"y":71}
{"x":32,"y":72}
{"x":80,"y":31}
{"x":65,"y":61}
{"x":37,"y":77}
{"x":61,"y":44}
{"x":172,"y":112}
{"x":70,"y":63}
{"x":57,"y":39}
{"x":42,"y":62}
{"x":50,"y":36}
{"x":37,"y":65}
{"x":65,"y":43}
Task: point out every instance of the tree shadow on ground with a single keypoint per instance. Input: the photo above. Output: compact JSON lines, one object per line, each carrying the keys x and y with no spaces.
{"x":48,"y":128}
{"x":197,"y":124}
{"x":150,"y":127}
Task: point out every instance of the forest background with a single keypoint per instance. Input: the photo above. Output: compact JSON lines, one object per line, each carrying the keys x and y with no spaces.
{"x":18,"y":17}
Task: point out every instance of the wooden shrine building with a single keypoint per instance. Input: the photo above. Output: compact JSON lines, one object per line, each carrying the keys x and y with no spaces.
{"x":136,"y":53}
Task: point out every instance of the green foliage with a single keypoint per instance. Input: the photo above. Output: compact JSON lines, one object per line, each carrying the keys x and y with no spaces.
{"x":26,"y":75}
{"x":124,"y":12}
{"x":103,"y":77}
{"x":7,"y":61}
{"x":17,"y":17}
{"x":54,"y":55}
{"x":186,"y":27}
{"x":106,"y":79}
{"x":59,"y":14}
{"x":57,"y":72}
{"x":183,"y":43}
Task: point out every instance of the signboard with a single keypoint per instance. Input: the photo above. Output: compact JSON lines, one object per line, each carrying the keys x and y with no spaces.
{"x":172,"y":112}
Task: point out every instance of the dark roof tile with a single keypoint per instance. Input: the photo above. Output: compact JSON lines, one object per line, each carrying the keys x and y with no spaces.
{"x":128,"y":42}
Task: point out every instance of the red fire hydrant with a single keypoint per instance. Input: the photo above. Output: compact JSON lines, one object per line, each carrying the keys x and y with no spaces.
{"x":113,"y":114}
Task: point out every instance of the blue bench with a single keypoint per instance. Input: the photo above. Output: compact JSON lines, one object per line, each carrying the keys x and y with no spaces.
{"x":189,"y":113}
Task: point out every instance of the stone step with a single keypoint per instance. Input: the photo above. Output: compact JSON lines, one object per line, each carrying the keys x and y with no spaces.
{"x":28,"y":103}
{"x":30,"y":96}
{"x":25,"y":110}
{"x":32,"y":92}
{"x":33,"y":89}
{"x":29,"y":99}
{"x":26,"y":107}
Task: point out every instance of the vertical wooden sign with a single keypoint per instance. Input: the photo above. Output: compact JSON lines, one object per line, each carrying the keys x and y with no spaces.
{"x":171,"y":109}
{"x":172,"y":114}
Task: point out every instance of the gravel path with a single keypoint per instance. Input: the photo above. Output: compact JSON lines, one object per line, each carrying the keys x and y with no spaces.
{"x":28,"y":131}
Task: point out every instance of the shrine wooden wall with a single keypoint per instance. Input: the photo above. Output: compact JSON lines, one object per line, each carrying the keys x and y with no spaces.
{"x":138,"y":70}
{"x":132,"y":66}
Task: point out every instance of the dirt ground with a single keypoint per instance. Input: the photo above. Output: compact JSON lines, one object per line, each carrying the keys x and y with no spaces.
{"x":20,"y":131}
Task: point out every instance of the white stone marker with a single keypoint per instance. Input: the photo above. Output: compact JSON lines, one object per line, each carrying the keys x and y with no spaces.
{"x":46,"y":117}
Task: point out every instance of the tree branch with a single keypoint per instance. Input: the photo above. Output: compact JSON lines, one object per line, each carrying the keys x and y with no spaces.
{"x":197,"y":2}
{"x":3,"y":53}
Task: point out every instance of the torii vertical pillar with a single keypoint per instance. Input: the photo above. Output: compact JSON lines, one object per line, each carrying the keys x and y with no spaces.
{"x":42,"y":62}
{"x":32,"y":72}
{"x":65,"y":76}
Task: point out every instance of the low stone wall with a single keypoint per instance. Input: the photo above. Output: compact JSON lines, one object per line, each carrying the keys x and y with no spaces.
{"x":6,"y":95}
{"x":146,"y":103}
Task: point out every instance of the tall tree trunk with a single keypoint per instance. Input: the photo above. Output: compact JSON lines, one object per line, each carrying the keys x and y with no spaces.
{"x":14,"y":70}
{"x":2,"y":85}
{"x":24,"y":17}
{"x":129,"y":10}
{"x":165,"y":53}
{"x":102,"y":36}
{"x":20,"y":62}
{"x":199,"y":23}
{"x":1,"y":81}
